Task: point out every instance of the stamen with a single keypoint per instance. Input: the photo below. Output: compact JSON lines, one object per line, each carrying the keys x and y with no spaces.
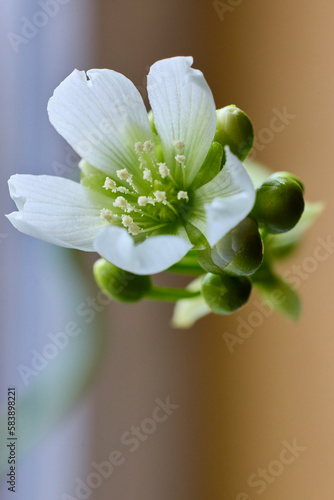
{"x":142,"y":201}
{"x":106,"y":215}
{"x":139,"y":148}
{"x":127,"y":220}
{"x":180,"y":159}
{"x":163,"y":170}
{"x":160,"y":196}
{"x":179,"y":146}
{"x":148,"y":146}
{"x":123,"y":174}
{"x":182,"y":195}
{"x":110,"y":184}
{"x":123,"y":189}
{"x":147,"y":175}
{"x":134,"y":229}
{"x":121,"y":202}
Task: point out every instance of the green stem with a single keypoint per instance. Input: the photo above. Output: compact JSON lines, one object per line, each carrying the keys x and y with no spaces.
{"x":170,"y":294}
{"x":183,"y":268}
{"x":187,"y":265}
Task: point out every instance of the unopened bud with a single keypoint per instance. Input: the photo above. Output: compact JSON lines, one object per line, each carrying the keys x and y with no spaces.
{"x":234,"y":129}
{"x":279,"y":204}
{"x":239,"y":253}
{"x":120,"y":285}
{"x":225,"y":294}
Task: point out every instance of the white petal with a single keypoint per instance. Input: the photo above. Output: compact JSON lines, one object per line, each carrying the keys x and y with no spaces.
{"x":153,"y":255}
{"x":101,"y":118}
{"x":57,"y":210}
{"x":223,"y":202}
{"x":183,"y":109}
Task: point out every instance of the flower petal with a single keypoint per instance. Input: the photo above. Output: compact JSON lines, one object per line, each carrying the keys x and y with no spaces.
{"x":101,"y":118}
{"x":153,"y":255}
{"x":223,"y":202}
{"x":183,"y":109}
{"x":57,"y":210}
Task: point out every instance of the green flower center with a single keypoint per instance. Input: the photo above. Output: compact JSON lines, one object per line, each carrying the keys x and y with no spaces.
{"x":147,"y":198}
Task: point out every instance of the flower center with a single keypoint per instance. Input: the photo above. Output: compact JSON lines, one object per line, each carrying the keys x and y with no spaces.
{"x":148,"y":198}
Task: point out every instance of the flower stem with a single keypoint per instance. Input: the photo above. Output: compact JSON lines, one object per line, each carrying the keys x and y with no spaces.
{"x":170,"y":294}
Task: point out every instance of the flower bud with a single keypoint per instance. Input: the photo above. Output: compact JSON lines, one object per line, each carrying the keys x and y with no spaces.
{"x":225,"y":294}
{"x":120,"y":285}
{"x":287,"y":175}
{"x":279,"y":204}
{"x":239,"y":253}
{"x":234,"y":129}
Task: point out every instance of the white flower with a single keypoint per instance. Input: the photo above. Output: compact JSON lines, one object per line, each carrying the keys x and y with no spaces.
{"x":130,"y":173}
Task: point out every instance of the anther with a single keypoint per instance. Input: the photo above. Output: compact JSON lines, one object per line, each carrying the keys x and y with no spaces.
{"x":147,"y":175}
{"x":106,"y":215}
{"x":160,"y":196}
{"x":121,"y":202}
{"x":127,"y":220}
{"x":182,"y":195}
{"x":109,"y":184}
{"x":134,"y":229}
{"x":179,"y":146}
{"x":142,"y":201}
{"x":180,"y":159}
{"x":148,"y":146}
{"x":139,"y":148}
{"x":123,"y":174}
{"x":163,"y":170}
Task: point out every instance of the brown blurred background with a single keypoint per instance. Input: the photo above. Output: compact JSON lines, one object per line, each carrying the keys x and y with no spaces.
{"x":235,"y":410}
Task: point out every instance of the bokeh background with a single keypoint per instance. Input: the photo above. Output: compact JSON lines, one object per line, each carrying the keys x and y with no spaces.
{"x":236,"y":411}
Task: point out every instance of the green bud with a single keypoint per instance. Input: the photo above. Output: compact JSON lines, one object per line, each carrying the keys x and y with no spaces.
{"x":225,"y":294}
{"x":287,"y":175}
{"x":279,"y":204}
{"x":239,"y":253}
{"x":234,"y":129}
{"x":120,"y":285}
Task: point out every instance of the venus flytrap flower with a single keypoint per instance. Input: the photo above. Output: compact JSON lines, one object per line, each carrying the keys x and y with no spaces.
{"x":145,"y":198}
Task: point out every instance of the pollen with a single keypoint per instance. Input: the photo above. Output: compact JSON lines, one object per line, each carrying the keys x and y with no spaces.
{"x":160,"y":196}
{"x":163,"y":170}
{"x":109,"y":184}
{"x":147,"y":175}
{"x":180,"y":159}
{"x":182,"y":195}
{"x":134,"y":229}
{"x":179,"y":146}
{"x":127,"y":220}
{"x":123,"y":174}
{"x":148,"y":146}
{"x":106,"y":215}
{"x":139,"y":148}
{"x":142,"y":201}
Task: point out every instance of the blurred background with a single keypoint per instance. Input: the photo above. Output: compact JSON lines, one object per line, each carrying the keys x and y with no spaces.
{"x":234,"y":413}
